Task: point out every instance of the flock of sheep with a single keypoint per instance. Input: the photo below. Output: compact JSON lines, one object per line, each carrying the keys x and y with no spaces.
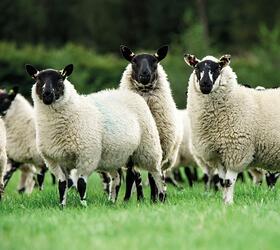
{"x":225,"y":129}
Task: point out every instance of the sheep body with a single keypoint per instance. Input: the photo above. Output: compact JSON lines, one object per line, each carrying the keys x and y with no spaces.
{"x":21,"y":143}
{"x":234,"y":127}
{"x":163,"y":108}
{"x":100,"y":132}
{"x":21,"y":135}
{"x":3,"y":155}
{"x":185,"y":156}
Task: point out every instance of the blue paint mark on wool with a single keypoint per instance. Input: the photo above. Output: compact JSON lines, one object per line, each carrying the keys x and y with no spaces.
{"x":110,"y":120}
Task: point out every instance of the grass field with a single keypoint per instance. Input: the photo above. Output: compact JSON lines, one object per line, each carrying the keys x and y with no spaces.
{"x":190,"y":219}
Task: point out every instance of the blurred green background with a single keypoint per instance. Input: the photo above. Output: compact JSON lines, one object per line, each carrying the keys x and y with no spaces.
{"x":87,"y":33}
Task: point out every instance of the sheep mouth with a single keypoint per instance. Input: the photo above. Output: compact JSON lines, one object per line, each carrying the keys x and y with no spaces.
{"x":48,"y":100}
{"x":205,"y":90}
{"x":144,"y":80}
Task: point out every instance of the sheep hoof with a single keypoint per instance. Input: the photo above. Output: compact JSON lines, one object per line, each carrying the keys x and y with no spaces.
{"x":162,"y":197}
{"x":61,"y":206}
{"x":21,"y":190}
{"x":84,"y":203}
{"x":228,"y":202}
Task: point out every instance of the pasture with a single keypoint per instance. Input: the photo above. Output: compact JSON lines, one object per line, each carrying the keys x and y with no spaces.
{"x":189,"y":219}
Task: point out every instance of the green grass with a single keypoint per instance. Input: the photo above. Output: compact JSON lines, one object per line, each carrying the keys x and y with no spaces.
{"x":190,"y":219}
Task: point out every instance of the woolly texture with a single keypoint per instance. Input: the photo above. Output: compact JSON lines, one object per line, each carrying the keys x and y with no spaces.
{"x":96,"y":132}
{"x":3,"y":155}
{"x":163,"y":108}
{"x":185,"y":156}
{"x":234,"y":126}
{"x":21,"y":134}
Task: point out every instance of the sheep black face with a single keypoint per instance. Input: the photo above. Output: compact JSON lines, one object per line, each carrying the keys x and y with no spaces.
{"x":144,"y":66}
{"x":49,"y":82}
{"x":6,"y":99}
{"x":207,"y":71}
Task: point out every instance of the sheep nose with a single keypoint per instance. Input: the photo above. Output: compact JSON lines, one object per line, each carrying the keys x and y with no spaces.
{"x":47,"y":93}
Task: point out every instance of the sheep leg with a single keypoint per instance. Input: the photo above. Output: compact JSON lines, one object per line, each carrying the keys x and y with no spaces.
{"x":195,"y":174}
{"x":27,"y":179}
{"x":160,"y":185}
{"x":106,"y":182}
{"x":41,"y":176}
{"x":23,"y":179}
{"x":82,"y":187}
{"x":189,"y":175}
{"x":230,"y":179}
{"x":129,"y":179}
{"x":169,"y":178}
{"x":241,"y":177}
{"x":62,"y":186}
{"x":153,"y":188}
{"x":178,"y":175}
{"x":138,"y":184}
{"x":10,"y":172}
{"x":257,"y":176}
{"x":114,"y":185}
{"x":53,"y":179}
{"x":222,"y":175}
{"x":271,"y":179}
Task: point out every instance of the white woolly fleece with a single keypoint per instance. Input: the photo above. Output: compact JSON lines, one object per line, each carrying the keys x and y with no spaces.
{"x":234,"y":126}
{"x":21,"y":134}
{"x":185,"y":156}
{"x":163,"y":108}
{"x":96,"y":132}
{"x":3,"y":155}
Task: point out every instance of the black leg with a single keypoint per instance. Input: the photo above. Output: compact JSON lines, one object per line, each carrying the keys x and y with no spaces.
{"x":21,"y":190}
{"x":62,"y":185}
{"x":173,"y":182}
{"x":189,"y":175}
{"x":240,"y":177}
{"x":82,"y":186}
{"x":205,"y":179}
{"x":153,"y":187}
{"x":15,"y":166}
{"x":53,"y":179}
{"x":195,"y":174}
{"x":130,"y":178}
{"x":41,"y":177}
{"x":120,"y":183}
{"x":250,"y":175}
{"x":139,"y":187}
{"x":271,"y":179}
{"x":214,"y":182}
{"x":70,"y":183}
{"x":106,"y":182}
{"x":1,"y":191}
{"x":178,"y":176}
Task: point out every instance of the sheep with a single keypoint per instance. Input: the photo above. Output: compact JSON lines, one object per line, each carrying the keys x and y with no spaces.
{"x":145,"y":76}
{"x":3,"y":156}
{"x":184,"y":156}
{"x":19,"y":119}
{"x":258,"y":175}
{"x":103,"y":132}
{"x":232,"y":126}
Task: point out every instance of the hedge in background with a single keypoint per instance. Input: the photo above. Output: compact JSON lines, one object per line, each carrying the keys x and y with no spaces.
{"x":94,"y":72}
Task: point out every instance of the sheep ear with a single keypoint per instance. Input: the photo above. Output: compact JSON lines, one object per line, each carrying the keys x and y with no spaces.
{"x":127,"y":53}
{"x":224,"y":60}
{"x":67,"y":71}
{"x":191,"y":60}
{"x":13,"y":92}
{"x":161,"y":53}
{"x":32,"y":71}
